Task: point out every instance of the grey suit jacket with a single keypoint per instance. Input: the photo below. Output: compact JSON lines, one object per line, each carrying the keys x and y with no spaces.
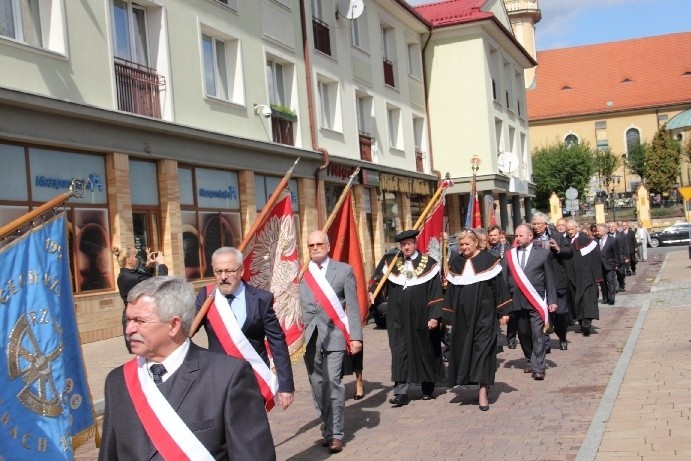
{"x":538,"y":270}
{"x":340,"y":277}
{"x":217,"y":396}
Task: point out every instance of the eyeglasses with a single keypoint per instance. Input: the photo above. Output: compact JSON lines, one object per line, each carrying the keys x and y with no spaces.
{"x":316,"y":245}
{"x":468,"y":230}
{"x":220,"y":272}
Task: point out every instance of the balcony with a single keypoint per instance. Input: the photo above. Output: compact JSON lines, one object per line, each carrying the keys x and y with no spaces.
{"x":366,"y":142}
{"x":322,"y":39}
{"x":388,"y":73}
{"x":282,"y":128}
{"x":138,"y":88}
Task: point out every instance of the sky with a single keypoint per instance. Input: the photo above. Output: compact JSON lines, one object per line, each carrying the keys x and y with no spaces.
{"x":567,"y":23}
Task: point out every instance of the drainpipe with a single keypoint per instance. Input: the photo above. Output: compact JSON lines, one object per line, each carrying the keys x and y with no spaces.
{"x":310,"y":110}
{"x":429,"y":119}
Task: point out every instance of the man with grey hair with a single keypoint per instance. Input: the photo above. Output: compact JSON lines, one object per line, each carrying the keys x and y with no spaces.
{"x":176,"y":400}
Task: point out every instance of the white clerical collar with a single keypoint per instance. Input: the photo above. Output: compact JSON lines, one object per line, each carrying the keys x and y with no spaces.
{"x":172,"y":362}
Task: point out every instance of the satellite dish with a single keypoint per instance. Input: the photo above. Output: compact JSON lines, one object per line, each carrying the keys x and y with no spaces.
{"x":507,"y":162}
{"x":350,"y":9}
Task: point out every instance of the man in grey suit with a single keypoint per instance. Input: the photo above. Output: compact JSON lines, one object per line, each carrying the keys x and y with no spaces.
{"x":536,"y":265}
{"x":213,"y":401}
{"x":326,"y":331}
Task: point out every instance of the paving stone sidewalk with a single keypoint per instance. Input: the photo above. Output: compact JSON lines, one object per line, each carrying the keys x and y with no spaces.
{"x":555,"y":419}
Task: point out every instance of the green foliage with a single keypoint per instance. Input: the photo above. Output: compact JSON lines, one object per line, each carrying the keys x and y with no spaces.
{"x":662,"y":163}
{"x":636,"y":159}
{"x":556,"y":167}
{"x":284,"y":112}
{"x":606,"y":162}
{"x":687,"y":148}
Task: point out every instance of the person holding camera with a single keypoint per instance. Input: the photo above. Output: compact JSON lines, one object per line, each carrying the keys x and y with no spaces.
{"x":131,"y":274}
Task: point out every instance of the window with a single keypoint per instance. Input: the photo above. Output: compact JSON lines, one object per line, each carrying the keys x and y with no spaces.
{"x":389,"y":53}
{"x":276,"y":79}
{"x":571,"y":140}
{"x":358,"y":31}
{"x":33,"y":176}
{"x":602,"y":144}
{"x":230,"y":3}
{"x":363,"y":109}
{"x":328,"y":104}
{"x":414,"y":63}
{"x":210,"y":209}
{"x":222,"y":69}
{"x":131,"y":36}
{"x":601,"y":135}
{"x":418,"y":137}
{"x":633,"y":139}
{"x":21,"y":20}
{"x":320,"y":29}
{"x":394,"y":121}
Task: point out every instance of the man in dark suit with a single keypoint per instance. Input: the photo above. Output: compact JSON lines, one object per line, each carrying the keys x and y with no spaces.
{"x":253,"y":309}
{"x":535,"y":263}
{"x":631,"y":244}
{"x":189,"y":401}
{"x":611,"y":261}
{"x":623,"y":248}
{"x":331,"y":313}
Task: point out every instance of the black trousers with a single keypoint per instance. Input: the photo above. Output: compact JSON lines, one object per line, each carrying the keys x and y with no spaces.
{"x":609,"y":285}
{"x":560,"y":322}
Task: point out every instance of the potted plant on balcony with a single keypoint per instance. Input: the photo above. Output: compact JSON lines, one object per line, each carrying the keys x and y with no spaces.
{"x":286,"y":113}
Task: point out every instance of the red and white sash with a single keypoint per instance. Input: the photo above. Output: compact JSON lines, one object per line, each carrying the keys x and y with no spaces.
{"x":526,"y":287}
{"x":236,"y":344}
{"x":328,"y":300}
{"x":167,"y":431}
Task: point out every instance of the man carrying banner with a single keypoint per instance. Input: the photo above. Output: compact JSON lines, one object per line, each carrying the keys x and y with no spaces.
{"x":239,"y":321}
{"x":331,"y":314}
{"x":176,"y":400}
{"x":414,"y":306}
{"x":530,"y":277}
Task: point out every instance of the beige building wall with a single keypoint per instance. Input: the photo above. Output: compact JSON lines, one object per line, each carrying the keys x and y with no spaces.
{"x":647,"y":122}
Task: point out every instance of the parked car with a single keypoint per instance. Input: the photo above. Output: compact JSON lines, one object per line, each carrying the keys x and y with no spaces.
{"x":678,"y":233}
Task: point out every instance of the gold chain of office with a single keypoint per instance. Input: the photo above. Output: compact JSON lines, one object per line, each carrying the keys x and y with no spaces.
{"x":417,"y":272}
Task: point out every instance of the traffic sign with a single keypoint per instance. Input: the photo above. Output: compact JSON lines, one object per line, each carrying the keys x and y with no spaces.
{"x":571,"y":193}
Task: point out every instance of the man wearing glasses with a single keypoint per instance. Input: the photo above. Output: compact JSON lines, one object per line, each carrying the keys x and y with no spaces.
{"x":331,"y":313}
{"x":237,"y":304}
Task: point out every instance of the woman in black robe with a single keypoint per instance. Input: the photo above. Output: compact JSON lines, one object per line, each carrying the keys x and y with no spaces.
{"x":476,"y":296}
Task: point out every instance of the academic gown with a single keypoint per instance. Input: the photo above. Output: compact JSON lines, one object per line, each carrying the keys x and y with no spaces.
{"x":412,"y":302}
{"x":584,"y":272}
{"x":476,"y":296}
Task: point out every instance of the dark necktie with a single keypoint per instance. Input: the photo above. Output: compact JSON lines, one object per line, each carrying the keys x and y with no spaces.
{"x":522,"y":260}
{"x":320,"y":267}
{"x":158,"y":370}
{"x":230,"y":299}
{"x":407,"y":258}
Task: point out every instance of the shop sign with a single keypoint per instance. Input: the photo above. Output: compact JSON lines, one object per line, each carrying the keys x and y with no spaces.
{"x":53,"y":171}
{"x":369,"y":178}
{"x":340,"y":173}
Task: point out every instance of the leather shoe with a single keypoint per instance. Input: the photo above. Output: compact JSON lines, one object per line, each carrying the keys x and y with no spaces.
{"x":427,"y":397}
{"x":336,"y":446}
{"x":611,"y":303}
{"x":484,"y":407}
{"x":563,"y":345}
{"x":528,"y":369}
{"x":512,"y":344}
{"x":537,"y":376}
{"x":399,"y":400}
{"x":326,"y":442}
{"x":585,"y":331}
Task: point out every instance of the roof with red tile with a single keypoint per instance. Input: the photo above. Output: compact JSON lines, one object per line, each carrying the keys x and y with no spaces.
{"x":610,"y":77}
{"x":452,"y":12}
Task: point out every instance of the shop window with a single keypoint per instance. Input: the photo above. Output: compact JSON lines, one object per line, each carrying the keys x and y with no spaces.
{"x":264,"y":186}
{"x":146,"y":218}
{"x":211,"y":220}
{"x":32,"y":177}
{"x":391,"y":218}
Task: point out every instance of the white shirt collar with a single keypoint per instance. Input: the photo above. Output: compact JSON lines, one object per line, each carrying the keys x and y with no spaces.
{"x":172,"y":362}
{"x":324,"y":263}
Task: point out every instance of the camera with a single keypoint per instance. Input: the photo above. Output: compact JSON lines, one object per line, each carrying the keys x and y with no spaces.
{"x":264,"y":111}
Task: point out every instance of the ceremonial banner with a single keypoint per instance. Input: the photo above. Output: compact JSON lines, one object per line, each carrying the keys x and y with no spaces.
{"x":430,"y":239}
{"x":45,"y":403}
{"x":271,"y":263}
{"x":345,"y":247}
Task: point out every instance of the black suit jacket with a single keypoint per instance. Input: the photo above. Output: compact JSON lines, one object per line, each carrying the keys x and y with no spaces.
{"x":261,"y":323}
{"x":630,"y":239}
{"x":216,"y":396}
{"x":610,"y":254}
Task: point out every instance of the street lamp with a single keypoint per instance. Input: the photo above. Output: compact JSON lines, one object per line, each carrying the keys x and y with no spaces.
{"x":610,"y":183}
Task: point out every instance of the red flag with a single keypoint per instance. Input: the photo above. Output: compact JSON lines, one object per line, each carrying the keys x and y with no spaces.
{"x":345,"y":247}
{"x":271,"y":263}
{"x":477,"y":217}
{"x":430,"y":238}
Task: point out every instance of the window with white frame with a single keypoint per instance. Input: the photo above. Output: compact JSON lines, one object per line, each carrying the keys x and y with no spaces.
{"x":363,"y":108}
{"x":358,"y":32}
{"x":279,"y":81}
{"x":571,"y":140}
{"x":388,"y":48}
{"x":633,"y":139}
{"x":418,"y":132}
{"x":414,"y":61}
{"x":131,"y":32}
{"x":37,"y":23}
{"x":393,"y":118}
{"x":328,"y":104}
{"x":222,"y":68}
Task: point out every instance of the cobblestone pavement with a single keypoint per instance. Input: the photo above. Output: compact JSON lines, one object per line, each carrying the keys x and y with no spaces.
{"x":529,"y":420}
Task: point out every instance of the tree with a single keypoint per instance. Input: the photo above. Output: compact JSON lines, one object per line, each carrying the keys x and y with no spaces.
{"x":606,"y":162}
{"x":662,"y":162}
{"x":687,"y":149}
{"x":558,"y":166}
{"x":636,"y":159}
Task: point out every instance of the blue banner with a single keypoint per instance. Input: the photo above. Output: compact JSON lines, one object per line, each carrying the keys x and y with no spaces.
{"x":45,"y":402}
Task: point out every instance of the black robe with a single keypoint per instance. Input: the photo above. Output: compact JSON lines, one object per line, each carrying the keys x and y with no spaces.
{"x":475,"y":297}
{"x":584,"y":273}
{"x":415,"y":350}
